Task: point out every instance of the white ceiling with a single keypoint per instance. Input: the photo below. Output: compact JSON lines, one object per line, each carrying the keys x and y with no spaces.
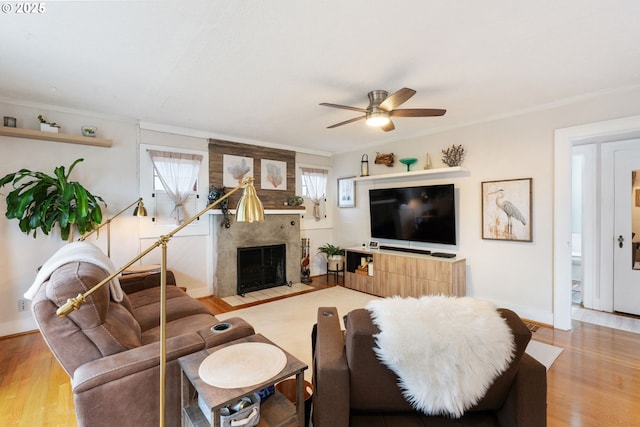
{"x":255,"y":71}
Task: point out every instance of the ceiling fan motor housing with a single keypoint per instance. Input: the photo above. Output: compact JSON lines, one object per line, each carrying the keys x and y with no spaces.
{"x":376,"y":97}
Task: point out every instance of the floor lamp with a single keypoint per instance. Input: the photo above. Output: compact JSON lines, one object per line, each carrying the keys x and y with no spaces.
{"x":138,"y":211}
{"x":249,"y":210}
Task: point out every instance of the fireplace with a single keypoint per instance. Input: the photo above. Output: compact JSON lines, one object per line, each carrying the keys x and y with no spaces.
{"x":276,"y":229}
{"x":261,"y":267}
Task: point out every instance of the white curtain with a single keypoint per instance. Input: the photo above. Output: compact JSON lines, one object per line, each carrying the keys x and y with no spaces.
{"x":178,"y":173}
{"x":316,"y":183}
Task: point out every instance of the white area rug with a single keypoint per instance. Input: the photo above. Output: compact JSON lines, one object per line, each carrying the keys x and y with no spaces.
{"x":288,"y":322}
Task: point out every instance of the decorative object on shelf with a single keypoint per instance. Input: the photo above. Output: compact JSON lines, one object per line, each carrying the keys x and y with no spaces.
{"x":139,"y":211}
{"x":46,"y":201}
{"x":506,"y":210}
{"x":295,"y":201}
{"x":215,"y":194}
{"x":89,"y":131}
{"x":364,"y":165}
{"x":453,"y":156}
{"x":305,"y":270}
{"x":46,"y":126}
{"x":408,"y":162}
{"x":346,"y":192}
{"x":427,"y":162}
{"x":384,"y":159}
{"x":9,"y":122}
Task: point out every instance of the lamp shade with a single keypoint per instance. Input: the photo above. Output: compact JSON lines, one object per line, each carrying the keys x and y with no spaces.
{"x":249,"y":207}
{"x":140,"y":210}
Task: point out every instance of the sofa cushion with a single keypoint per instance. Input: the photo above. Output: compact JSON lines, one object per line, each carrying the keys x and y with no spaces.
{"x":184,"y":325}
{"x":367,"y":375}
{"x":475,"y":419}
{"x":495,"y":396}
{"x":136,"y":282}
{"x":108,"y":324}
{"x":146,"y":306}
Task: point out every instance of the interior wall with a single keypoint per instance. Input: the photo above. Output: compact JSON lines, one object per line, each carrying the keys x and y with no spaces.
{"x":188,"y":253}
{"x":318,"y":232}
{"x":107,"y":172}
{"x":517,"y":275}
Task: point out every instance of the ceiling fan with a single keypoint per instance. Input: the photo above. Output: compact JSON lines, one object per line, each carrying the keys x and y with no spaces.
{"x":382,"y":107}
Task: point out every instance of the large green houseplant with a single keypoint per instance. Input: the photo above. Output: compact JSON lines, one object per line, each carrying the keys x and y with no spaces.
{"x":41,"y":201}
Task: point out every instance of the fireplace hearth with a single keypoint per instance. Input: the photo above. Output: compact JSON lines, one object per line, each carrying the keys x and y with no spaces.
{"x":261,"y":267}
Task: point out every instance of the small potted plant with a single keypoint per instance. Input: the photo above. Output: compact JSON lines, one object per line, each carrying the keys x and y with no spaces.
{"x":89,"y":131}
{"x":46,"y":126}
{"x":334,"y":254}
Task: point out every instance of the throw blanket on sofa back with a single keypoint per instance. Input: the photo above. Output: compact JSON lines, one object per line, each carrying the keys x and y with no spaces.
{"x":446,"y":351}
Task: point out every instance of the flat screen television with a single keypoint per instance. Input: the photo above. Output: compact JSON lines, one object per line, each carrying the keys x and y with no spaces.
{"x":421,"y":214}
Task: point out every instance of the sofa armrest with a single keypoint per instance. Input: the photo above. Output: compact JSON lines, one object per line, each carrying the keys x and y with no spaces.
{"x":330,"y":372}
{"x":526,"y":404}
{"x":137,"y":282}
{"x":216,"y":335}
{"x":120,"y":365}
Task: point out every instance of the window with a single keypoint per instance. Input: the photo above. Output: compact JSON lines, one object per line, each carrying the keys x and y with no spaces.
{"x":314,"y":187}
{"x":177,"y":174}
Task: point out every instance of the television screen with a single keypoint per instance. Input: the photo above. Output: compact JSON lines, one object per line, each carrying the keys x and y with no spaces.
{"x":420,"y":214}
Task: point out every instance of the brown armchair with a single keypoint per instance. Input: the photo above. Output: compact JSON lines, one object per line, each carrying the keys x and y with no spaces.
{"x":352,"y":388}
{"x":110,"y":350}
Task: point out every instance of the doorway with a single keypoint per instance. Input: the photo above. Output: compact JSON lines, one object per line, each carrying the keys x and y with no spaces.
{"x":617,"y":291}
{"x":607,"y":133}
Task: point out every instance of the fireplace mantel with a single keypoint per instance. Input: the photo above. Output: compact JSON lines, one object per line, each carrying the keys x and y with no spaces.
{"x":284,"y":211}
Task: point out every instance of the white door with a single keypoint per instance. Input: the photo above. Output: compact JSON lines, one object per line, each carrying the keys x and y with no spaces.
{"x":626,"y":239}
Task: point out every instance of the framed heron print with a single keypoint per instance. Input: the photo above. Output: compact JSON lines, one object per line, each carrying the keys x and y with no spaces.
{"x":506,"y":210}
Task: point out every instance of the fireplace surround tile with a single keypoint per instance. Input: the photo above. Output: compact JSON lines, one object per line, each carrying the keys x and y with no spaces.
{"x":275,"y":229}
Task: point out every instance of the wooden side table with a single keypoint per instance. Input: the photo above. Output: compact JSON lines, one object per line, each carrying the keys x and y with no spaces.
{"x":275,"y":410}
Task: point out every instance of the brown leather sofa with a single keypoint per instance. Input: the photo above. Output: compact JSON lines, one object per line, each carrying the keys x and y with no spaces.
{"x":110,"y":350}
{"x":352,"y":388}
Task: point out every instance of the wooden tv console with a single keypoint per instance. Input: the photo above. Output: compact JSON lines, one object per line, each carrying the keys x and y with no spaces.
{"x":405,"y":274}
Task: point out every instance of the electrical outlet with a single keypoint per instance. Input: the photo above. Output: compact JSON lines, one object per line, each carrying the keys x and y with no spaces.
{"x":22,"y":304}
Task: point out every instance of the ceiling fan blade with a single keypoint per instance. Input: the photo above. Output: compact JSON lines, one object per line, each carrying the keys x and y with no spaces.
{"x":388,"y":127}
{"x":346,"y":122}
{"x":417,"y":112}
{"x":396,"y":99}
{"x":344,"y":107}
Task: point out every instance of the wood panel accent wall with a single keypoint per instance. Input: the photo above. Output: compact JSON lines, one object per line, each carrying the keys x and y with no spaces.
{"x":271,"y":199}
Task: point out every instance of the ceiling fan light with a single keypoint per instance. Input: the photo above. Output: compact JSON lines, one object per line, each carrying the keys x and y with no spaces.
{"x":378,"y":118}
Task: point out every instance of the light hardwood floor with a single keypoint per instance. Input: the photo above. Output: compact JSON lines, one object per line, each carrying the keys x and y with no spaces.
{"x":595,"y":382}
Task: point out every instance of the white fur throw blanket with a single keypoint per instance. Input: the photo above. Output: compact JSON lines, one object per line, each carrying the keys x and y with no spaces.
{"x":76,"y":252}
{"x":446,"y":351}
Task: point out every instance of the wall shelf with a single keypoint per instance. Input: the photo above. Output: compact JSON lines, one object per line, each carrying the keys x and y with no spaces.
{"x":56,"y":137}
{"x":456,"y":170}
